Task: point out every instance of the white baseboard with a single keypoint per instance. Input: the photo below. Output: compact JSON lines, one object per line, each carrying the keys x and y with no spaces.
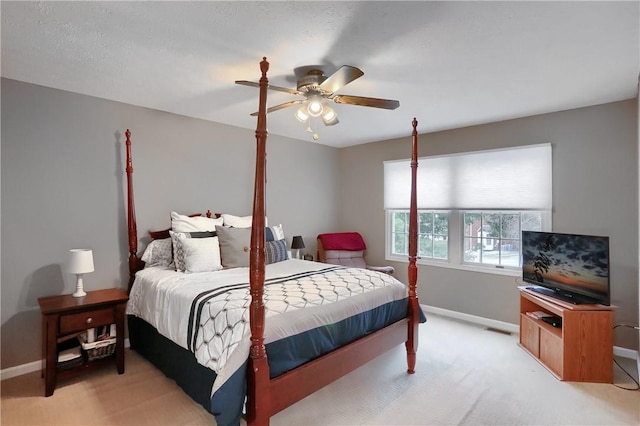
{"x":19,"y":370}
{"x":498,"y":325}
{"x":511,"y":328}
{"x":625,"y":353}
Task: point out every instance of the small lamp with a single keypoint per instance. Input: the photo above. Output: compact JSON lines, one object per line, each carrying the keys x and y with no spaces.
{"x":80,"y":262}
{"x":297,"y":244}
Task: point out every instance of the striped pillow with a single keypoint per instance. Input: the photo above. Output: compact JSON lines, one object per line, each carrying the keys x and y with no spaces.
{"x":275,"y":251}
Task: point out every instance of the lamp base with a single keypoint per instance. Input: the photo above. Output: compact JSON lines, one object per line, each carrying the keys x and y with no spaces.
{"x":79,"y":287}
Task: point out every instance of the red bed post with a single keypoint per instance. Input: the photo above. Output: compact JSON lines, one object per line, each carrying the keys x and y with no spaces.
{"x":131,"y":216}
{"x":413,"y":314}
{"x":258,"y":404}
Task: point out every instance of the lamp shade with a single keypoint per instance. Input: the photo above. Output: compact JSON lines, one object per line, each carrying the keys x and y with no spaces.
{"x":297,"y":242}
{"x":315,"y":106}
{"x":80,"y":261}
{"x":329,"y":116}
{"x":301,"y":114}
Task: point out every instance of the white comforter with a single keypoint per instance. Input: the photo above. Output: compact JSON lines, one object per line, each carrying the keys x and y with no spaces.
{"x":164,"y":298}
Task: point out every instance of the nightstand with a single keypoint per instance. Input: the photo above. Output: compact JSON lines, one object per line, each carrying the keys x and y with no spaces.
{"x":65,"y":317}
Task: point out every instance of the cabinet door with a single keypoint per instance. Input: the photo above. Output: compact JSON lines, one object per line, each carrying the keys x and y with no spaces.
{"x":530,"y":335}
{"x":551,"y":351}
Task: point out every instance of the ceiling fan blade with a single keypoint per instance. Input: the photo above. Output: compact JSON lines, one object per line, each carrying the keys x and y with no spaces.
{"x":270,"y":87}
{"x":345,"y":75}
{"x":369,"y":102}
{"x":280,"y":106}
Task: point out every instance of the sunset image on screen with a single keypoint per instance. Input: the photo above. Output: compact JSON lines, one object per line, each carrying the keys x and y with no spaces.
{"x":567,"y":260}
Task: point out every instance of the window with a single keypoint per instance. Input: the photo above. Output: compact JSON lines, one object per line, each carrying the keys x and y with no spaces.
{"x":433,"y":234}
{"x":472,"y":206}
{"x":493,"y":237}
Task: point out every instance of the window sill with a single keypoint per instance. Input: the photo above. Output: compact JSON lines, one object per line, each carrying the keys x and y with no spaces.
{"x":510,"y":272}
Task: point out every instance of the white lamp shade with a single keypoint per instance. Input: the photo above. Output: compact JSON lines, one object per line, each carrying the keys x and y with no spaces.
{"x":314,"y":106}
{"x":80,"y":261}
{"x":301,"y":114}
{"x":329,"y":116}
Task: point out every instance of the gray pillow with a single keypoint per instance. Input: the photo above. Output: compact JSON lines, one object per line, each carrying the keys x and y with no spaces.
{"x":235,"y":245}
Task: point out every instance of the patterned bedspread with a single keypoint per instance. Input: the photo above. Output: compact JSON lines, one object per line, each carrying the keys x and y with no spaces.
{"x":207,"y":313}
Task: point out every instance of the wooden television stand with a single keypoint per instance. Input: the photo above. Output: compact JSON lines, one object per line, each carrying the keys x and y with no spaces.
{"x":581,"y":350}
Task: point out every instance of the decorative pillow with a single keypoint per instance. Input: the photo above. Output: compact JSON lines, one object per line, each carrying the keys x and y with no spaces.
{"x":177,"y":239}
{"x":158,"y":253}
{"x":235,"y":245}
{"x":238,"y":221}
{"x":201,"y":254}
{"x":182,"y":223}
{"x":275,"y":251}
{"x":274,"y":233}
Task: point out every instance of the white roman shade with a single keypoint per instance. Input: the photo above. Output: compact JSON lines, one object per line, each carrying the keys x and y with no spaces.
{"x":515,"y":178}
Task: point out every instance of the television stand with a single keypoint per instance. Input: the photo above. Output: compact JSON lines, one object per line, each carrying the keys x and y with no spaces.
{"x":579,"y":351}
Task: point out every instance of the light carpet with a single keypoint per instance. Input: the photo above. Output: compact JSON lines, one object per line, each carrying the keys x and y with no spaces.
{"x":465,"y":375}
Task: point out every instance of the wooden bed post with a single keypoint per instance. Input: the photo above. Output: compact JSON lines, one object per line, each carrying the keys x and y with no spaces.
{"x":414,"y":308}
{"x":131,"y":217}
{"x":258,"y":404}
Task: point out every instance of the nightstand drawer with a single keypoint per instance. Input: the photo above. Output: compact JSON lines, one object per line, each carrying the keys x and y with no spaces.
{"x":83,"y":320}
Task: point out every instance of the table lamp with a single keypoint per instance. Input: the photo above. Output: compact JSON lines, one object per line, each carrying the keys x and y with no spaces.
{"x":80,"y":262}
{"x":297,"y":244}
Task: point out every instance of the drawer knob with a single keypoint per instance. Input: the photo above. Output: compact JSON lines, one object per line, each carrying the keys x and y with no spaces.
{"x":89,"y":320}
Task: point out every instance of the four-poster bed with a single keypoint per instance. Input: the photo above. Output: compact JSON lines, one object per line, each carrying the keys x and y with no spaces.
{"x":276,"y":368}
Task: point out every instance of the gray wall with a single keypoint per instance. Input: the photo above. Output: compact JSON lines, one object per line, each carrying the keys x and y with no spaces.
{"x":595,"y":191}
{"x":63,"y":186}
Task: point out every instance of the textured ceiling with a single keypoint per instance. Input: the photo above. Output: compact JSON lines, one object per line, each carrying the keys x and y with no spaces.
{"x":450,"y":64}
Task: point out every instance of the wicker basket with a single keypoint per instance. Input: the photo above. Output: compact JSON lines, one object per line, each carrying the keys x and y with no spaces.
{"x":98,"y":349}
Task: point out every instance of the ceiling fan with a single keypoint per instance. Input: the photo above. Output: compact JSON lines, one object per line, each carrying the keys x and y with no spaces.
{"x":318,"y":90}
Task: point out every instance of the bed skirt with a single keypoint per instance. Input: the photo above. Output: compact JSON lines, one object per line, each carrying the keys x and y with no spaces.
{"x":180,"y":364}
{"x":174,"y":361}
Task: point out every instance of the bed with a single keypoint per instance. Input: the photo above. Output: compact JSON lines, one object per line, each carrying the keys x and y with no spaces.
{"x":252,"y":331}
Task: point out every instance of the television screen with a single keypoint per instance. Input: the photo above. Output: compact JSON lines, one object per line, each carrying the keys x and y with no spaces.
{"x":574,"y":267}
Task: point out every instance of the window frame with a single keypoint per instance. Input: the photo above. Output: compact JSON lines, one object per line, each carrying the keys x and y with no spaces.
{"x":389,"y":235}
{"x":455,"y":241}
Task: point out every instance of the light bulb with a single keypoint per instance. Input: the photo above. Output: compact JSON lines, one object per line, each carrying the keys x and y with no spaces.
{"x":301,"y":115}
{"x":314,"y":107}
{"x":329,"y":116}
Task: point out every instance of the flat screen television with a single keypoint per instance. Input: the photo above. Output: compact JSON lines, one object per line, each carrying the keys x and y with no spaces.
{"x":570,"y":267}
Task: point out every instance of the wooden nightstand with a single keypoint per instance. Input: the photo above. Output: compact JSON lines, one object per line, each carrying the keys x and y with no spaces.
{"x":65,"y":316}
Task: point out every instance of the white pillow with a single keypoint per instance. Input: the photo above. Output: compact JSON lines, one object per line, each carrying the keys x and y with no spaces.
{"x":277,"y":231}
{"x":158,"y":253}
{"x":178,"y":239}
{"x":182,"y":223}
{"x":201,"y":254}
{"x":238,"y":221}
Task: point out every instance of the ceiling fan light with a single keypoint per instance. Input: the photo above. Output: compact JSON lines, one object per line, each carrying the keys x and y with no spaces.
{"x":315,"y":107}
{"x":329,"y":116}
{"x":301,"y":115}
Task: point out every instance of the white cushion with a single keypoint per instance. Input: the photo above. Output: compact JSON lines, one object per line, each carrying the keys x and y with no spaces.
{"x":158,"y":253}
{"x":277,"y":232}
{"x":183,"y":223}
{"x":238,"y":221}
{"x":178,"y":238}
{"x":201,"y":254}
